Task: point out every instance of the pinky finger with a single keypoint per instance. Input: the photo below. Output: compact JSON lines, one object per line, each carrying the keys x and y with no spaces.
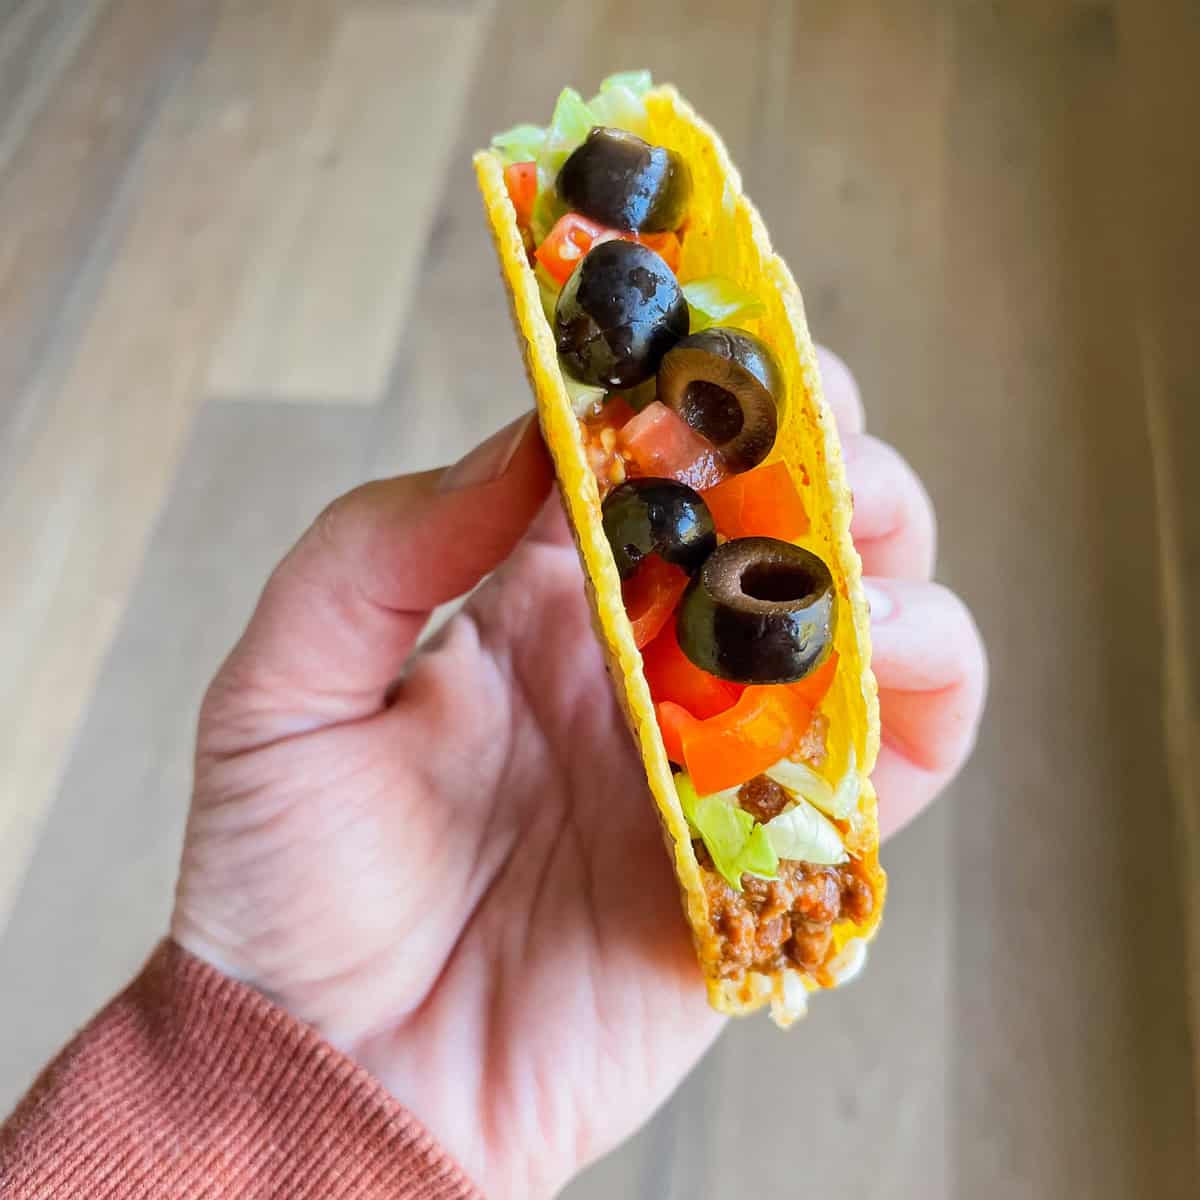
{"x":931,"y":666}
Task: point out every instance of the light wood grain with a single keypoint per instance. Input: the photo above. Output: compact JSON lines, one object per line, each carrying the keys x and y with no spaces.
{"x":38,"y":39}
{"x":326,"y":290}
{"x":1162,"y":195}
{"x":66,"y":148}
{"x":1068,"y":988}
{"x":78,"y":486}
{"x":77,"y":506}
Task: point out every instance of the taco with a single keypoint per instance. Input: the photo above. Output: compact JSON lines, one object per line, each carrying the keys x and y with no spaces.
{"x":701,"y":472}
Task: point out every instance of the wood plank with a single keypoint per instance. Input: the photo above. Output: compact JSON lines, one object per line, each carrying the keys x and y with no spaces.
{"x":78,"y":506}
{"x":1162,"y":96}
{"x":1067,"y":987}
{"x":38,"y":39}
{"x":326,"y":292}
{"x":62,"y":159}
{"x":99,"y":890}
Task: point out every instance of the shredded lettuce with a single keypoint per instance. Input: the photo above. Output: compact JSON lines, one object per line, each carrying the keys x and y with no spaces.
{"x":583,"y":396}
{"x":845,"y":798}
{"x":619,"y":103}
{"x":737,"y":843}
{"x":521,"y":143}
{"x":619,"y":108}
{"x":547,"y":290}
{"x":571,"y":122}
{"x":803,"y":833}
{"x":803,"y":781}
{"x":547,"y":209}
{"x":637,"y":82}
{"x":717,"y":300}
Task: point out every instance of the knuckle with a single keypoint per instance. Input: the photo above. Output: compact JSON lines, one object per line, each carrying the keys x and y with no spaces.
{"x":971,"y":652}
{"x":347,"y":520}
{"x":897,"y":508}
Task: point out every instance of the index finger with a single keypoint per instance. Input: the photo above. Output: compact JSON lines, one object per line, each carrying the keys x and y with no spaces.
{"x":841,"y":392}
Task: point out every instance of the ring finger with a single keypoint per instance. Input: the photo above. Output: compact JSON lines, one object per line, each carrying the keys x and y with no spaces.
{"x":893,"y":526}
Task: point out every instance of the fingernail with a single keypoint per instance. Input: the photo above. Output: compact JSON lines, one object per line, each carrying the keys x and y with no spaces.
{"x":489,"y":460}
{"x":880,"y":602}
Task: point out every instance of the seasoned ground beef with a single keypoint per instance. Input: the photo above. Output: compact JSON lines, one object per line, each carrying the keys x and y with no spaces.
{"x":789,"y":920}
{"x":762,"y":798}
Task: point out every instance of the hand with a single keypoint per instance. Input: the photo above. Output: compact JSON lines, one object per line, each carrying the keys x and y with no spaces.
{"x":458,"y":878}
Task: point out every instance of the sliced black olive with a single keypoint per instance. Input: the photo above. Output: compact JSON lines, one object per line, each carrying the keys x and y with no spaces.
{"x":623,"y":182}
{"x":725,"y":384}
{"x":657,"y":516}
{"x":758,"y":611}
{"x":619,"y":312}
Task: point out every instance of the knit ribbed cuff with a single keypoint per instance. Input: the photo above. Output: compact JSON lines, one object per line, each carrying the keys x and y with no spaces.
{"x":189,"y":1084}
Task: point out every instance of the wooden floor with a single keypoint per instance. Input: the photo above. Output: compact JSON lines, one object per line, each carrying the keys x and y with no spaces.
{"x":243,"y":267}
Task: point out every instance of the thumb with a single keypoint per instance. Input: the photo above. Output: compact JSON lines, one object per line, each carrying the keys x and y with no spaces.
{"x":342,"y":612}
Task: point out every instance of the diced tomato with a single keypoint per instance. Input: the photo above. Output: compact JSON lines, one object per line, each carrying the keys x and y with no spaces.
{"x":651,"y":596}
{"x":734,"y":746}
{"x":616,"y":413}
{"x":600,"y":442}
{"x":666,"y":246}
{"x":766,"y":724}
{"x":521,"y":181}
{"x":672,"y":719}
{"x":661,"y":444}
{"x":673,"y":676}
{"x":759,"y":503}
{"x":574,"y":235}
{"x":570,"y":239}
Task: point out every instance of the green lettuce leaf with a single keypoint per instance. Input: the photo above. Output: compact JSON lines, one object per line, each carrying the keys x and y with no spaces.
{"x":737,"y":843}
{"x":521,"y":143}
{"x":620,"y":104}
{"x":568,"y":127}
{"x":803,"y":833}
{"x":802,"y":780}
{"x":547,"y":291}
{"x":716,"y":300}
{"x":637,"y":82}
{"x":584,"y":397}
{"x":845,"y":798}
{"x":619,"y":108}
{"x":547,"y":209}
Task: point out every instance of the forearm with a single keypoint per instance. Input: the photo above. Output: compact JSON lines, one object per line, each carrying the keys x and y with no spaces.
{"x":189,"y":1083}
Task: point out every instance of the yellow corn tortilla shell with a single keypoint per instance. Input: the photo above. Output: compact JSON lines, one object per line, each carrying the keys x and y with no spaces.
{"x":724,"y":236}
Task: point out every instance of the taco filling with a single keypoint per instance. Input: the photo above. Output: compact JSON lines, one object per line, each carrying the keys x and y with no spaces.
{"x":732,"y":607}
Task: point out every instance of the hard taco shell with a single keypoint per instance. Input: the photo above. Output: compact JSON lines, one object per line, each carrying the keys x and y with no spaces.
{"x":724,"y":236}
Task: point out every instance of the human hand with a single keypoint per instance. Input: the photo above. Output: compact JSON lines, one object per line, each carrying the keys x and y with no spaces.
{"x":458,"y":878}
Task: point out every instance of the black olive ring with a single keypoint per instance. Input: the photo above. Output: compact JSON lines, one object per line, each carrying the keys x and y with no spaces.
{"x":759,"y":610}
{"x":725,"y":383}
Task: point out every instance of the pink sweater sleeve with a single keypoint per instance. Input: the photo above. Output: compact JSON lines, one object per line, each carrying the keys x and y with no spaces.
{"x":189,"y":1084}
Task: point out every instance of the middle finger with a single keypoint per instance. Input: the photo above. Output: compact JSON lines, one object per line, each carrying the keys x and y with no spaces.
{"x":893,"y":526}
